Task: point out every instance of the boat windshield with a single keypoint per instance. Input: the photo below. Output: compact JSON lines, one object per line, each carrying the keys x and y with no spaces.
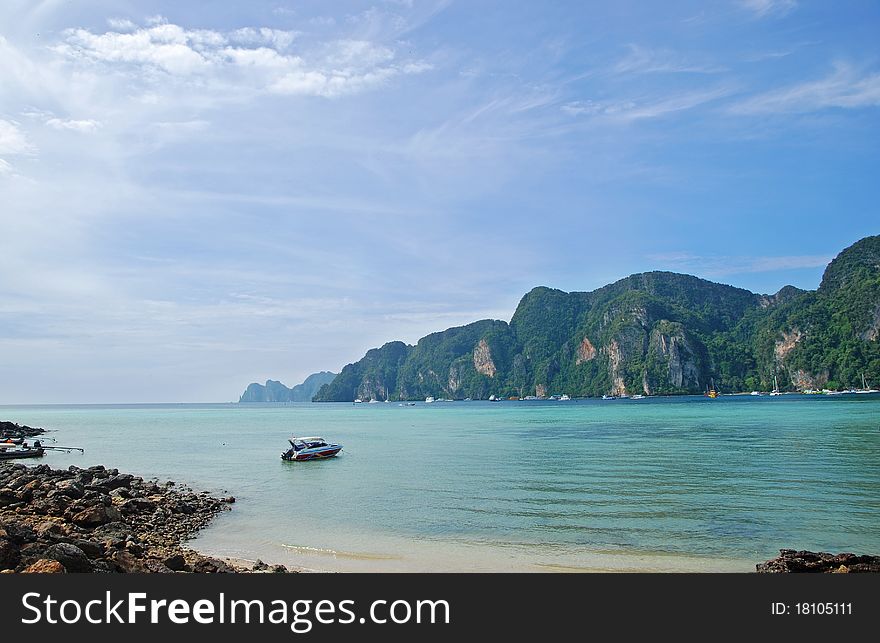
{"x":307,"y":443}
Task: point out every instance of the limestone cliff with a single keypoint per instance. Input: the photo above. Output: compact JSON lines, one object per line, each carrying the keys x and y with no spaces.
{"x":483,"y":359}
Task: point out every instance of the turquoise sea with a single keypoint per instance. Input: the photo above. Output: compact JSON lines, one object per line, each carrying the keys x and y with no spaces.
{"x":660,"y":484}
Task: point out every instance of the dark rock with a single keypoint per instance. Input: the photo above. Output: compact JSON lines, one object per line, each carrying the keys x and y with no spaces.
{"x":127,"y":563}
{"x":97,"y":515}
{"x":91,"y":548}
{"x":70,"y":488}
{"x":176,"y":563}
{"x":154,"y":566}
{"x":792,"y":561}
{"x":7,"y":497}
{"x":48,"y":528}
{"x":72,"y":557}
{"x":118,"y":530}
{"x":137,"y":505}
{"x":207,"y":565}
{"x":103,"y":567}
{"x":9,"y":553}
{"x":134,"y":548}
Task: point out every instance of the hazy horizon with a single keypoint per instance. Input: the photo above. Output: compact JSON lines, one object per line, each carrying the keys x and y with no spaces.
{"x":195,"y":199}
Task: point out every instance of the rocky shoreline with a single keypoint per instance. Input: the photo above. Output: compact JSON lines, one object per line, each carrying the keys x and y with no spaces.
{"x":793,"y":561}
{"x":100,"y":520}
{"x":13,"y":430}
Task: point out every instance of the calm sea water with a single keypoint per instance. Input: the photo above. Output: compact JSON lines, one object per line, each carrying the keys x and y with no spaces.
{"x":657,"y":484}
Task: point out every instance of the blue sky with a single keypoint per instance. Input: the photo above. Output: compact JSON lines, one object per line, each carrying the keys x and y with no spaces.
{"x":194,"y":196}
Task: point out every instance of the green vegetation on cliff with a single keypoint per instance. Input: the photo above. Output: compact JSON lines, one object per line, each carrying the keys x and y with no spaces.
{"x":652,"y":333}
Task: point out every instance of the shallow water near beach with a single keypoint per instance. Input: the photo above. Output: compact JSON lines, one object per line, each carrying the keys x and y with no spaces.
{"x":660,"y":484}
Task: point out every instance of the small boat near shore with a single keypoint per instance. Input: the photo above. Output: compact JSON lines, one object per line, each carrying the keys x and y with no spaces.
{"x":16,"y":452}
{"x":311,"y":448}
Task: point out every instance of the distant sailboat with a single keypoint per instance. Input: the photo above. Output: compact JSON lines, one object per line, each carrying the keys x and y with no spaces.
{"x":865,"y":388}
{"x":775,"y":390}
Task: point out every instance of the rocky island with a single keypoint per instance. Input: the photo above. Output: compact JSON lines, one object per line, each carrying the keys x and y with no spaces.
{"x":274,"y":391}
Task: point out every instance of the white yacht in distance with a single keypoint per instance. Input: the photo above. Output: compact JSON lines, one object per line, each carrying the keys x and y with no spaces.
{"x":564,"y":398}
{"x":429,"y":400}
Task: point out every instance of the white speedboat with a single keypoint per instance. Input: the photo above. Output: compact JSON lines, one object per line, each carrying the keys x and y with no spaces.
{"x":312,"y":448}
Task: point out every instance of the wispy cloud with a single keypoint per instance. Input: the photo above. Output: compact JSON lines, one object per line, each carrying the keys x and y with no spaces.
{"x":12,"y":139}
{"x":83,"y":126}
{"x":642,"y":60}
{"x":766,"y":8}
{"x":718,"y":266}
{"x":844,"y":88}
{"x":648,"y":108}
{"x":13,"y":143}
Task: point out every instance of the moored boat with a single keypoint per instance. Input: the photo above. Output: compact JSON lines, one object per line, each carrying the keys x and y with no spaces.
{"x":9,"y":453}
{"x":311,"y":448}
{"x":775,"y":390}
{"x":711,"y":391}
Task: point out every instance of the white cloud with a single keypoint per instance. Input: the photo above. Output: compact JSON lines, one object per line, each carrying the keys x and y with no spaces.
{"x":165,"y":46}
{"x":13,"y":142}
{"x":257,"y":57}
{"x":83,"y":126}
{"x":844,"y":88}
{"x":764,"y":8}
